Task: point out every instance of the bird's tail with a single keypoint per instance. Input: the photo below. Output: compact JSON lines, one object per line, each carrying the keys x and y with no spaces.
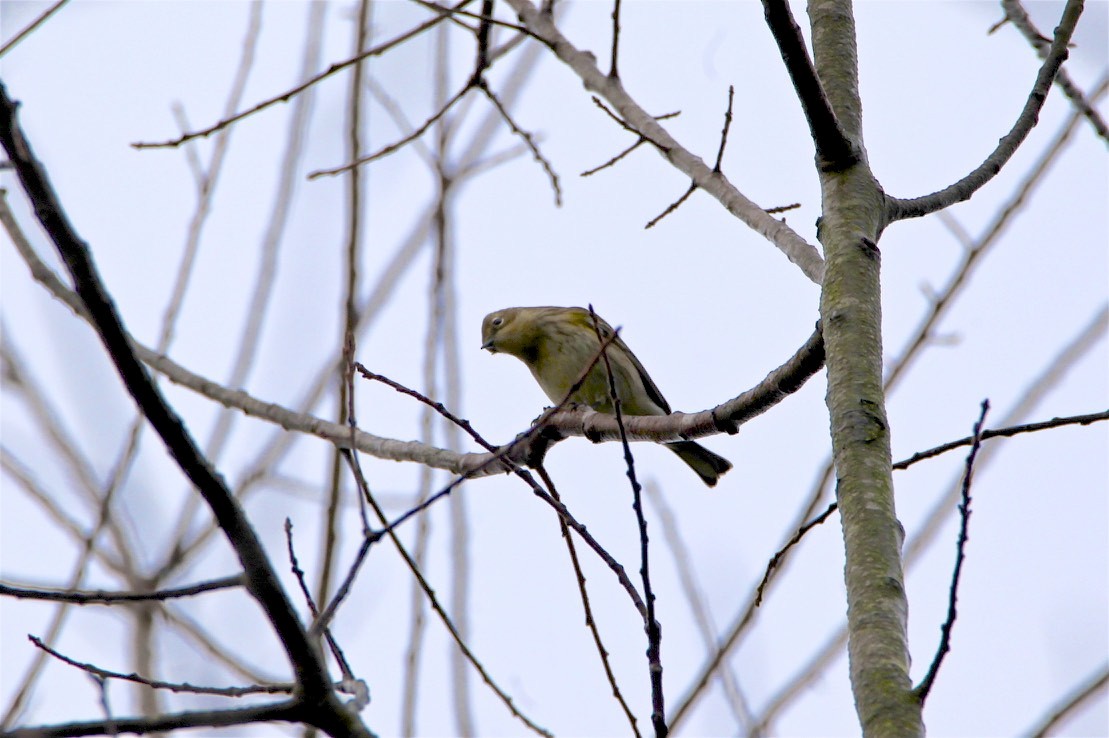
{"x":708,"y":465}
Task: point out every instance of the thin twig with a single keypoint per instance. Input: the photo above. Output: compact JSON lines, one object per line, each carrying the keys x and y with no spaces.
{"x":1014,"y":430}
{"x":181,"y":687}
{"x":294,"y":566}
{"x":715,"y":169}
{"x":651,"y":624}
{"x":100,"y":597}
{"x":695,"y":597}
{"x":386,"y":150}
{"x":289,"y":94}
{"x":921,"y":456}
{"x":921,"y":692}
{"x":639,"y":141}
{"x":613,"y":72}
{"x":45,"y":16}
{"x":672,"y":206}
{"x":776,"y":559}
{"x":590,"y":622}
{"x":527,"y":138}
{"x":724,"y":132}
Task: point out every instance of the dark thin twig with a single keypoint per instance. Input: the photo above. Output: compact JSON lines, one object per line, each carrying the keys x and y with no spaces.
{"x":102,"y":689}
{"x":654,"y":629}
{"x":1004,"y":433}
{"x":368,"y":539}
{"x":485,"y":16}
{"x":672,"y":207}
{"x":529,"y":141}
{"x":590,"y":622}
{"x":925,"y":687}
{"x":287,"y":711}
{"x":615,"y":159}
{"x":931,"y":453}
{"x":724,"y":133}
{"x":344,"y":589}
{"x":503,"y":455}
{"x":288,"y":94}
{"x":100,"y":597}
{"x":777,"y":558}
{"x":782,"y":208}
{"x":642,"y":140}
{"x":626,"y":126}
{"x":834,"y":152}
{"x":483,"y":38}
{"x":386,"y":150}
{"x":294,"y":565}
{"x":155,"y":684}
{"x":715,"y":170}
{"x":613,"y":72}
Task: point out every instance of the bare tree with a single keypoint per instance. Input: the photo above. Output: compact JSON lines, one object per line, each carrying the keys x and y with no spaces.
{"x":347,"y":214}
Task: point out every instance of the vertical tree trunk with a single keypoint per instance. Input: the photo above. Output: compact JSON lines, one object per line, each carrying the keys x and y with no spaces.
{"x":851,"y":314}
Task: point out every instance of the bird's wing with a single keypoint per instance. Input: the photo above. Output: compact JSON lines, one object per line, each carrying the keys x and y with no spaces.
{"x":648,"y":384}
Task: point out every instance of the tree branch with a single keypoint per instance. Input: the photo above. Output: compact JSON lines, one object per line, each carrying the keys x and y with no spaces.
{"x":584,"y":64}
{"x":963,"y":189}
{"x":1016,"y":14}
{"x":100,"y":597}
{"x":925,"y":686}
{"x":263,"y":583}
{"x":834,"y":151}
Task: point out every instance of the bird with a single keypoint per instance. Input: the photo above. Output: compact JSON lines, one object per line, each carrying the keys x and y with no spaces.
{"x":557,"y":343}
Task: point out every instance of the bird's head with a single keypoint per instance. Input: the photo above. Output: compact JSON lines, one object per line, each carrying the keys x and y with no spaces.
{"x":492,"y":326}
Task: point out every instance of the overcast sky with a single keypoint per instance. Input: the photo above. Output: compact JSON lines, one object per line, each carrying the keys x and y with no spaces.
{"x":707,"y":305}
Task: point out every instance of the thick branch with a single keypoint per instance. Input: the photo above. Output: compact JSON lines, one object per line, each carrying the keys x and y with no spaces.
{"x":834,"y":151}
{"x":783,"y":381}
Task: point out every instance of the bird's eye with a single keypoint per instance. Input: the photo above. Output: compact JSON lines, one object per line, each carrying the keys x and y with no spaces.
{"x":497,"y":322}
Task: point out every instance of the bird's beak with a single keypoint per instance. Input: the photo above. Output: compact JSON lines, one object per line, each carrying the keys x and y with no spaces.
{"x":488,"y":346}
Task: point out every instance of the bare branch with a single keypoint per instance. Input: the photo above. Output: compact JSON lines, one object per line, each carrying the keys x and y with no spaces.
{"x":264,"y":585}
{"x":590,"y":622}
{"x":171,"y":686}
{"x":1016,"y":13}
{"x":289,"y":94}
{"x":584,"y":64}
{"x":834,"y":152}
{"x":651,"y":624}
{"x":290,"y":711}
{"x":1010,"y":142}
{"x":100,"y":597}
{"x":29,"y":29}
{"x":1003,"y":433}
{"x":527,"y":137}
{"x":921,"y":692}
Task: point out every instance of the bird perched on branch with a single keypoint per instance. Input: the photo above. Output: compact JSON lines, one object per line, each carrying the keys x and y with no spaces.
{"x":558,"y":343}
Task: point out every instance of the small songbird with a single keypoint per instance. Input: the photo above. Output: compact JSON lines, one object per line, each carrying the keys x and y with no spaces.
{"x":557,"y":344}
